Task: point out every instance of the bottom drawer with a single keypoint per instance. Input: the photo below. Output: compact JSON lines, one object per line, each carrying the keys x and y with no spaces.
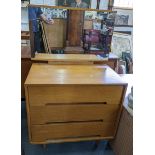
{"x":55,"y":131}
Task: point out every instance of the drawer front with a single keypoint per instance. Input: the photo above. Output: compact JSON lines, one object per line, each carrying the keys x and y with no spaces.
{"x":73,"y":112}
{"x":42,"y":95}
{"x":55,"y":131}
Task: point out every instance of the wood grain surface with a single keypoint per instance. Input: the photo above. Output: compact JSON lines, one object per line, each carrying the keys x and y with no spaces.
{"x":67,"y":57}
{"x":55,"y":33}
{"x":72,"y":74}
{"x":71,"y":130}
{"x":75,"y":26}
{"x":73,"y":102}
{"x":74,"y":94}
{"x":73,"y":112}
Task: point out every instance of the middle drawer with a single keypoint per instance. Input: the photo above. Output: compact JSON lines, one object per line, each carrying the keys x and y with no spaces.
{"x":73,"y":112}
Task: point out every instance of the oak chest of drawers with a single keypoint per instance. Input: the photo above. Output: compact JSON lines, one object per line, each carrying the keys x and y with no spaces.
{"x":72,"y":102}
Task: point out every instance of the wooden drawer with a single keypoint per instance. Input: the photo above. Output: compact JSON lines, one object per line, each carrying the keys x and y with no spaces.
{"x":73,"y":112}
{"x":55,"y":131}
{"x":41,"y":95}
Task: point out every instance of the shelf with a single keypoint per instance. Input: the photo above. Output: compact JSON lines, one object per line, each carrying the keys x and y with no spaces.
{"x":25,"y":35}
{"x":122,"y":8}
{"x":70,"y":8}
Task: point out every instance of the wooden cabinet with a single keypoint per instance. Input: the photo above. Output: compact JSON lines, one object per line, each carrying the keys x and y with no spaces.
{"x":25,"y":66}
{"x":75,"y":26}
{"x":72,"y":102}
{"x":74,"y":32}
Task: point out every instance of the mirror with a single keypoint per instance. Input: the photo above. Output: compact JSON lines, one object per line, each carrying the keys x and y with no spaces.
{"x":62,"y":30}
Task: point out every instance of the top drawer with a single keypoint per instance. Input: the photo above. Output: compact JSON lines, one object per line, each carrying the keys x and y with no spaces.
{"x":41,"y":95}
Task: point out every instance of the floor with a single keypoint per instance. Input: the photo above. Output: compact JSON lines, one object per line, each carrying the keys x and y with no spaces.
{"x":78,"y":148}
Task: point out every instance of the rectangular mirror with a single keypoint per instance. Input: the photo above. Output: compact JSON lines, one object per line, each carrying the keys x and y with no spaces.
{"x":62,"y":30}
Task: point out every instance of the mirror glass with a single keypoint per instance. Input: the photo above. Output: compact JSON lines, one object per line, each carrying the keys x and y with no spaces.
{"x":62,"y":31}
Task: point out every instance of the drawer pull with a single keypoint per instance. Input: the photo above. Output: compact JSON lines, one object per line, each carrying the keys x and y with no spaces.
{"x":70,"y":122}
{"x":81,"y":103}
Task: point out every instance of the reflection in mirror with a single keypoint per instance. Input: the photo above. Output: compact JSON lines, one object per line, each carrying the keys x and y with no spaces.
{"x":74,"y":3}
{"x":59,"y":31}
{"x":98,"y":30}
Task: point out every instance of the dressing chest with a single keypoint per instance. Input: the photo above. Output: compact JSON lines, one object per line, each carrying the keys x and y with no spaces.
{"x":73,"y":102}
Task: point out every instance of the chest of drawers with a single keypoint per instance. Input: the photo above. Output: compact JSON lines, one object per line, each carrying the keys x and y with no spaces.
{"x":72,"y":102}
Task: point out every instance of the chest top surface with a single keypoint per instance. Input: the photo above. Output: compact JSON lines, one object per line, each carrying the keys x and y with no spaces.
{"x":45,"y":74}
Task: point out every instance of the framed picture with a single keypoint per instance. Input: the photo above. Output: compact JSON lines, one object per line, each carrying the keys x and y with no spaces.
{"x":121,"y":43}
{"x":124,"y":17}
{"x":121,"y":19}
{"x":72,"y":3}
{"x":124,"y":29}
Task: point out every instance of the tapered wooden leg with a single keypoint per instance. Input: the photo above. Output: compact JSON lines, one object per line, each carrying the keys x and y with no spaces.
{"x":108,"y":147}
{"x":44,"y":146}
{"x":96,"y":144}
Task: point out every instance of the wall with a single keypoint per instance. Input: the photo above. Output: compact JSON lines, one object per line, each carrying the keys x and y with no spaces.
{"x":45,"y":2}
{"x":24,"y":17}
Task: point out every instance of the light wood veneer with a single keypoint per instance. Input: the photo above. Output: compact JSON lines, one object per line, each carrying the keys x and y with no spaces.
{"x":73,"y":102}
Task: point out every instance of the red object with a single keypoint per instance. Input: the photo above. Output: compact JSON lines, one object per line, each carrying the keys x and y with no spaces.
{"x":92,"y":37}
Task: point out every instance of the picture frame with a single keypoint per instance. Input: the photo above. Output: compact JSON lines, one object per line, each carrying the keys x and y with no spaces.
{"x":124,"y":29}
{"x":121,"y":42}
{"x":67,"y":3}
{"x":121,"y":19}
{"x":124,"y":17}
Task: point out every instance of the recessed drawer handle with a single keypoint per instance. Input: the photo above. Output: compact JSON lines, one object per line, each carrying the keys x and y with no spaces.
{"x":81,"y":103}
{"x":71,"y":122}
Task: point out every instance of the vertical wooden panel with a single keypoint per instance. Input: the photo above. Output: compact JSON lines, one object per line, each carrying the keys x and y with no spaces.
{"x":75,"y":26}
{"x":25,"y":66}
